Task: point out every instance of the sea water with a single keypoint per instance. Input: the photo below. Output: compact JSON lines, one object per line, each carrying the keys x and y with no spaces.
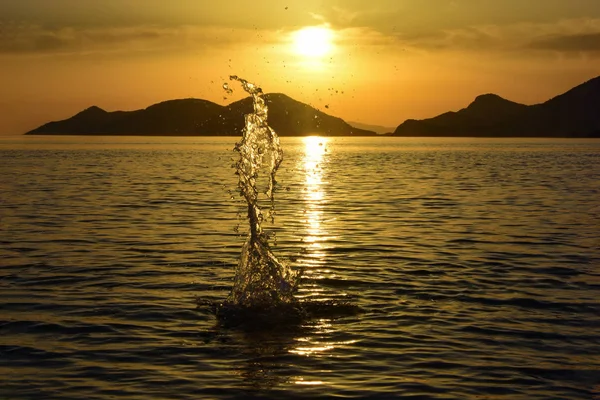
{"x":476,"y":262}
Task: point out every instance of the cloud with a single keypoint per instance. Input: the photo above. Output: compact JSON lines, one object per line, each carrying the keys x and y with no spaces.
{"x":566,"y":36}
{"x":35,"y":39}
{"x":569,"y":36}
{"x":586,"y":42}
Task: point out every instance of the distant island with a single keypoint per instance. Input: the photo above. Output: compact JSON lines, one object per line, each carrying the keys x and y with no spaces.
{"x":195,"y":117}
{"x":574,"y":114}
{"x":375,"y":128}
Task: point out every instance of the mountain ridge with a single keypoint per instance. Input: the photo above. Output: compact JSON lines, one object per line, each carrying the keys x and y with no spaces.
{"x":575,"y":113}
{"x":379,"y":129}
{"x":199,"y":117}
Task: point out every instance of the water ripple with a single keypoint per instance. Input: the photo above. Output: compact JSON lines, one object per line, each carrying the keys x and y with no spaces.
{"x":475,"y":264}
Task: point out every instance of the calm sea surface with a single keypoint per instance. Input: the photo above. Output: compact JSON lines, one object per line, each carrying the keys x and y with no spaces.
{"x":476,"y":262}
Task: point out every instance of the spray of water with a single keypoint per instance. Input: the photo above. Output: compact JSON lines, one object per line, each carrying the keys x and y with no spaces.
{"x":261,"y":280}
{"x":264,"y":287}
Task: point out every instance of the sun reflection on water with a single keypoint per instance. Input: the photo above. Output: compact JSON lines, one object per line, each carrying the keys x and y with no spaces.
{"x":308,"y":346}
{"x":313,"y":165}
{"x":327,"y":339}
{"x":303,"y":382}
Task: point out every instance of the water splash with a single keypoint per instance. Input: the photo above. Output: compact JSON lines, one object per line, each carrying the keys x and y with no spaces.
{"x":263,"y":293}
{"x":261,"y":280}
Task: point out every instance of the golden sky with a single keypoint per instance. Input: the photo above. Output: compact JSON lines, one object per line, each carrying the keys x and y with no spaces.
{"x":375,"y":61}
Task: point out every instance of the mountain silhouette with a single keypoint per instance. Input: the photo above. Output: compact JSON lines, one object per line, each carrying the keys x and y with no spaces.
{"x":375,"y":128}
{"x":575,"y":113}
{"x":196,"y":117}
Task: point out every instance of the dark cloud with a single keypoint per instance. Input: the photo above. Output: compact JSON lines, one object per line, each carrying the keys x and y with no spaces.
{"x":27,"y":39}
{"x":581,"y":36}
{"x":588,"y":42}
{"x":233,"y":14}
{"x":471,"y":38}
{"x":19,"y":38}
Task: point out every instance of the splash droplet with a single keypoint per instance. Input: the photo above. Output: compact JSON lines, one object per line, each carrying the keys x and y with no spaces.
{"x":227,"y":88}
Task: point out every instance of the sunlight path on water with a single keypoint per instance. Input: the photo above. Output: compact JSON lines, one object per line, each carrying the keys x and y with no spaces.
{"x":313,"y":164}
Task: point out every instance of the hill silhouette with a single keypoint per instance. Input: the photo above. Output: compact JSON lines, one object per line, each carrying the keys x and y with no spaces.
{"x":370,"y":127}
{"x":575,"y":114}
{"x":571,"y":114}
{"x":196,"y":117}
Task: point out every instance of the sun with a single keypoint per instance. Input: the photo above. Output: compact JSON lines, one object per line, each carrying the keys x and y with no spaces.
{"x":313,"y":41}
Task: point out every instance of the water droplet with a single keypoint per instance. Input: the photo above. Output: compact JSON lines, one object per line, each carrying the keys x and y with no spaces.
{"x":227,"y":88}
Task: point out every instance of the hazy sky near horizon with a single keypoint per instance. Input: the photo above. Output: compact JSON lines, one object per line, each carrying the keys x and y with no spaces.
{"x":376,"y":61}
